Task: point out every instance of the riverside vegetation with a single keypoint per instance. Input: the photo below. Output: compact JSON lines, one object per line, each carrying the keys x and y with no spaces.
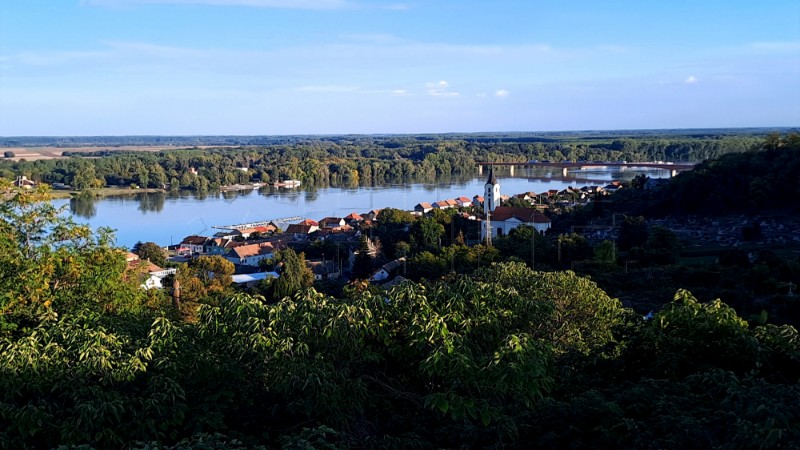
{"x":353,"y":160}
{"x":504,"y":357}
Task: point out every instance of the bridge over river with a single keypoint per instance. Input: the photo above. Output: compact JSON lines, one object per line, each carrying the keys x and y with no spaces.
{"x":566,"y":166}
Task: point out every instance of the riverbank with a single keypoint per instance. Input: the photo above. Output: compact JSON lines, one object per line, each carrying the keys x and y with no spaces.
{"x":102,"y":192}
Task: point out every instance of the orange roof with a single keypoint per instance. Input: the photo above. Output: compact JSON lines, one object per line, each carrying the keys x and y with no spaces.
{"x":502,"y":213}
{"x":300,"y":229}
{"x":194,"y":240}
{"x":354,"y":216}
{"x":245,"y":251}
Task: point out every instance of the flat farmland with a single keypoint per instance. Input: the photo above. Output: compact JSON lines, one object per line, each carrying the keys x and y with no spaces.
{"x":49,"y":152}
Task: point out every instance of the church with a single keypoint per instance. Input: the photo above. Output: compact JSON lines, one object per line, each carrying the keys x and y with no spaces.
{"x":502,"y":219}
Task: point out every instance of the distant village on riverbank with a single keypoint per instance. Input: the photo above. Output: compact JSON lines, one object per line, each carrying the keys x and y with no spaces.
{"x":249,"y":245}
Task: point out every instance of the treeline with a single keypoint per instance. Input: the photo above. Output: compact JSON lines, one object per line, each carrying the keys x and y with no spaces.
{"x":360,"y":160}
{"x":762,"y":179}
{"x":504,"y":358}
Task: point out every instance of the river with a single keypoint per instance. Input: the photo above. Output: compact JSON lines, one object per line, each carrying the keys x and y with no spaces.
{"x":166,"y":218}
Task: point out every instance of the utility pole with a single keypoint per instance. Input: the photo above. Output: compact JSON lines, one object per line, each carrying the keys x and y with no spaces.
{"x":488,"y":229}
{"x":176,"y":293}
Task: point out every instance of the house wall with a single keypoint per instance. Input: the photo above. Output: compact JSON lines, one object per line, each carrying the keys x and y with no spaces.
{"x":505,"y":227}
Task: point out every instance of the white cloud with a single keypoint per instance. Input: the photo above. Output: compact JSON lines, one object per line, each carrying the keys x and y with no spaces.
{"x":690,"y":80}
{"x":440,"y":89}
{"x":287,"y":4}
{"x":399,"y":92}
{"x":501,"y":93}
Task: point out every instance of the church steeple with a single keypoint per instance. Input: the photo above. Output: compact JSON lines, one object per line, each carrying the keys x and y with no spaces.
{"x":491,"y":192}
{"x":491,"y":180}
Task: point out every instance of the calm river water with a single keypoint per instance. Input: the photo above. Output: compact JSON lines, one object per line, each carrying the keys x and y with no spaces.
{"x":166,"y":218}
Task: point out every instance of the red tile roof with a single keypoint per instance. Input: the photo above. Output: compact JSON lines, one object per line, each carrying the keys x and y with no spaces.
{"x":502,"y":213}
{"x":194,"y":240}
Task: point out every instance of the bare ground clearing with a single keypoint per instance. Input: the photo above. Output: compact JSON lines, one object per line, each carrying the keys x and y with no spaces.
{"x":36,"y":153}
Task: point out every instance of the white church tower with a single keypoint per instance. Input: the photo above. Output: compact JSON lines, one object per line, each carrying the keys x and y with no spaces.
{"x":491,"y":193}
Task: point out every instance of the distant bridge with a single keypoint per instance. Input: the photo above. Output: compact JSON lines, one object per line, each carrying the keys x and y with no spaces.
{"x":674,"y":168}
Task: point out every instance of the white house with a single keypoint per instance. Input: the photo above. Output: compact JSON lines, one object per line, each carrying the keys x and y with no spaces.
{"x":504,"y":219}
{"x":251,"y":255}
{"x":150,"y":274}
{"x":387,"y":269}
{"x":193,"y":244}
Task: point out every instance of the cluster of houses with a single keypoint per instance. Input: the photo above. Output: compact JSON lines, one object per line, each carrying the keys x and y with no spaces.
{"x":247,"y":245}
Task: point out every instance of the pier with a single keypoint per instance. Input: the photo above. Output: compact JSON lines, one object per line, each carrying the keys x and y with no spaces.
{"x":261,"y":223}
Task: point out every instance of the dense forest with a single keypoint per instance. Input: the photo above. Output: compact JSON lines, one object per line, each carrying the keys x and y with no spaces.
{"x":352,"y":160}
{"x":505,"y":357}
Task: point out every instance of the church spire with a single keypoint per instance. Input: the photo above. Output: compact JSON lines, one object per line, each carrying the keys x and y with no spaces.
{"x":491,"y":180}
{"x":491,"y":193}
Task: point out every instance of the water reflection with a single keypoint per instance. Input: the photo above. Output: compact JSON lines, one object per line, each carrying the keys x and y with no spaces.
{"x":83,"y":207}
{"x":152,"y":201}
{"x":168,"y":217}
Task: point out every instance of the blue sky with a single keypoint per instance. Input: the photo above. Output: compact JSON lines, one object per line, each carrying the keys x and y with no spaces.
{"x":173,"y":67}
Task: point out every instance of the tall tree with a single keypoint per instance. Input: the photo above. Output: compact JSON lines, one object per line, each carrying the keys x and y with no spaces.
{"x":150,"y":251}
{"x":364,"y":261}
{"x":295,"y":275}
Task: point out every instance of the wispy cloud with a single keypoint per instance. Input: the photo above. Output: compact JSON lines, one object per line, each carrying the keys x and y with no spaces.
{"x":691,"y":79}
{"x":286,"y":4}
{"x":440,"y":89}
{"x":502,"y":93}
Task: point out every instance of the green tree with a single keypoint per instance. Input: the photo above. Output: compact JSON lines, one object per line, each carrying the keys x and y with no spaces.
{"x":49,"y":263}
{"x":365,"y":260}
{"x":632,"y":233}
{"x":426,"y":234}
{"x":151,"y":251}
{"x":206,"y":279}
{"x":295,"y":275}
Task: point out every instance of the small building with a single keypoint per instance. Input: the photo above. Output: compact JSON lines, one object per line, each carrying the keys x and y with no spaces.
{"x":24,"y":182}
{"x":323,"y":270}
{"x":423,"y":207}
{"x":331,"y":222}
{"x":371,"y":215}
{"x":252,"y":254}
{"x":353,"y":219}
{"x":614,"y":186}
{"x":464,"y":202}
{"x":193,"y":244}
{"x":221,"y":246}
{"x":387,"y":270}
{"x":441,"y":204}
{"x":300,"y":231}
{"x":149,"y":273}
{"x":504,"y":219}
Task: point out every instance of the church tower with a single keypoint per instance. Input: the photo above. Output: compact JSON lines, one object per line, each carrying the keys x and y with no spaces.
{"x":491,"y":193}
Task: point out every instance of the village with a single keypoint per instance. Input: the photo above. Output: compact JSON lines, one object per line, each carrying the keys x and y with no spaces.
{"x":250,"y":246}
